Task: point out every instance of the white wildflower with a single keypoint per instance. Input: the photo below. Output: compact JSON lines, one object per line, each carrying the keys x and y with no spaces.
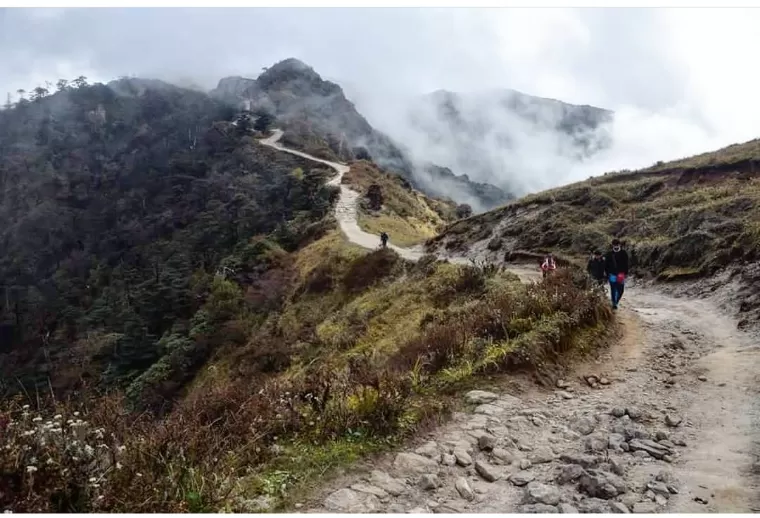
{"x":31,"y":469}
{"x":58,"y":417}
{"x":37,"y":419}
{"x":138,"y":474}
{"x":76,"y":414}
{"x":25,"y":407}
{"x":88,"y":450}
{"x":118,"y":465}
{"x":122,"y":449}
{"x":49,"y":461}
{"x":93,"y":480}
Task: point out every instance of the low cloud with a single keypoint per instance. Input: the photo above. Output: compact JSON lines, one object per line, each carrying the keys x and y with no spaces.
{"x":681,"y":81}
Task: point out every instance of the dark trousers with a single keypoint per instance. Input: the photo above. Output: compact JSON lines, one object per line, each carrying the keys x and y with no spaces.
{"x":616,"y":292}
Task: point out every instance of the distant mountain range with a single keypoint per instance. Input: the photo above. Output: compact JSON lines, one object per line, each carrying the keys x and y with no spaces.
{"x":450,"y":150}
{"x":503,"y":137}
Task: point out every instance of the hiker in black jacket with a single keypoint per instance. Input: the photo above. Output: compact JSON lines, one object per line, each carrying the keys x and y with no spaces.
{"x":616,"y":268}
{"x":384,"y":239}
{"x":595,"y":267}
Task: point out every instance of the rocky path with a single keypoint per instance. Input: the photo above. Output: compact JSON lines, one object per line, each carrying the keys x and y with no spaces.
{"x":664,"y":421}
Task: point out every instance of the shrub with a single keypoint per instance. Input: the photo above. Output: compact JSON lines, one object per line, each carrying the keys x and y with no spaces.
{"x":374,"y":197}
{"x":53,"y":461}
{"x":520,"y":326}
{"x":463,"y":211}
{"x":369,"y":269}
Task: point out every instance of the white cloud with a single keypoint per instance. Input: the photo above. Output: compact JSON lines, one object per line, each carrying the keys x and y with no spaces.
{"x":682,"y":80}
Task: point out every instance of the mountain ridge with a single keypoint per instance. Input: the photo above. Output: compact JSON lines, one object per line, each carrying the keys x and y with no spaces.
{"x":310,"y":107}
{"x":490,"y":134}
{"x":181,"y":296}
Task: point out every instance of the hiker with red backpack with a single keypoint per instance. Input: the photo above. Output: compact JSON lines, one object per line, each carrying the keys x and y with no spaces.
{"x":549,"y":265}
{"x":616,"y":269}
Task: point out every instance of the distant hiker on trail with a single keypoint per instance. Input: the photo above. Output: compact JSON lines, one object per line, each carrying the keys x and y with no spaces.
{"x":616,"y":268}
{"x":384,"y":239}
{"x":549,"y":264}
{"x":595,"y":267}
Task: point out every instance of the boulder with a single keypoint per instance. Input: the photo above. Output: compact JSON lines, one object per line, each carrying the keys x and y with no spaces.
{"x":464,"y":489}
{"x":542,"y":455}
{"x":413,"y":463}
{"x":601,"y":484}
{"x":656,"y":450}
{"x":539,"y":493}
{"x":487,"y":471}
{"x":387,"y":483}
{"x":522,"y":478}
{"x":349,"y":501}
{"x":429,"y":482}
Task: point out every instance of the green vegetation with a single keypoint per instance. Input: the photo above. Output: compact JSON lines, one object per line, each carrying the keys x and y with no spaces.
{"x":185,"y":330}
{"x":408,"y":216}
{"x":361,"y":352}
{"x":677,"y":223}
{"x":123,"y":205}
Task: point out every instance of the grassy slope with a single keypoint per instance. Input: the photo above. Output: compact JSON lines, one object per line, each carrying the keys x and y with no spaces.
{"x":686,"y":218}
{"x":351,"y":313}
{"x":363,"y":352}
{"x":408,"y":216}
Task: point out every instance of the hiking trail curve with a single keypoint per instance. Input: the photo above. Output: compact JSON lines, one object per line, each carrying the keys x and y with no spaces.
{"x":346,"y":214}
{"x":664,"y":420}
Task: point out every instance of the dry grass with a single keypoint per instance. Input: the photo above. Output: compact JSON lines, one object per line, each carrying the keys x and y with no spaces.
{"x":408,"y":216}
{"x":733,"y":154}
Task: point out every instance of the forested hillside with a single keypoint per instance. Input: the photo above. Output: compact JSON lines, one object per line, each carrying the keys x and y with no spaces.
{"x":122,"y":205}
{"x":184,"y":328}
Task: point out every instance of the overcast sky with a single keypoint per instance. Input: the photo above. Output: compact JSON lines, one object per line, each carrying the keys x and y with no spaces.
{"x":682,"y":79}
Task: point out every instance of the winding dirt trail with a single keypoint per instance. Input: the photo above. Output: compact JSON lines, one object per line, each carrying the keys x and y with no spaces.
{"x":670,"y":425}
{"x":345,"y":213}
